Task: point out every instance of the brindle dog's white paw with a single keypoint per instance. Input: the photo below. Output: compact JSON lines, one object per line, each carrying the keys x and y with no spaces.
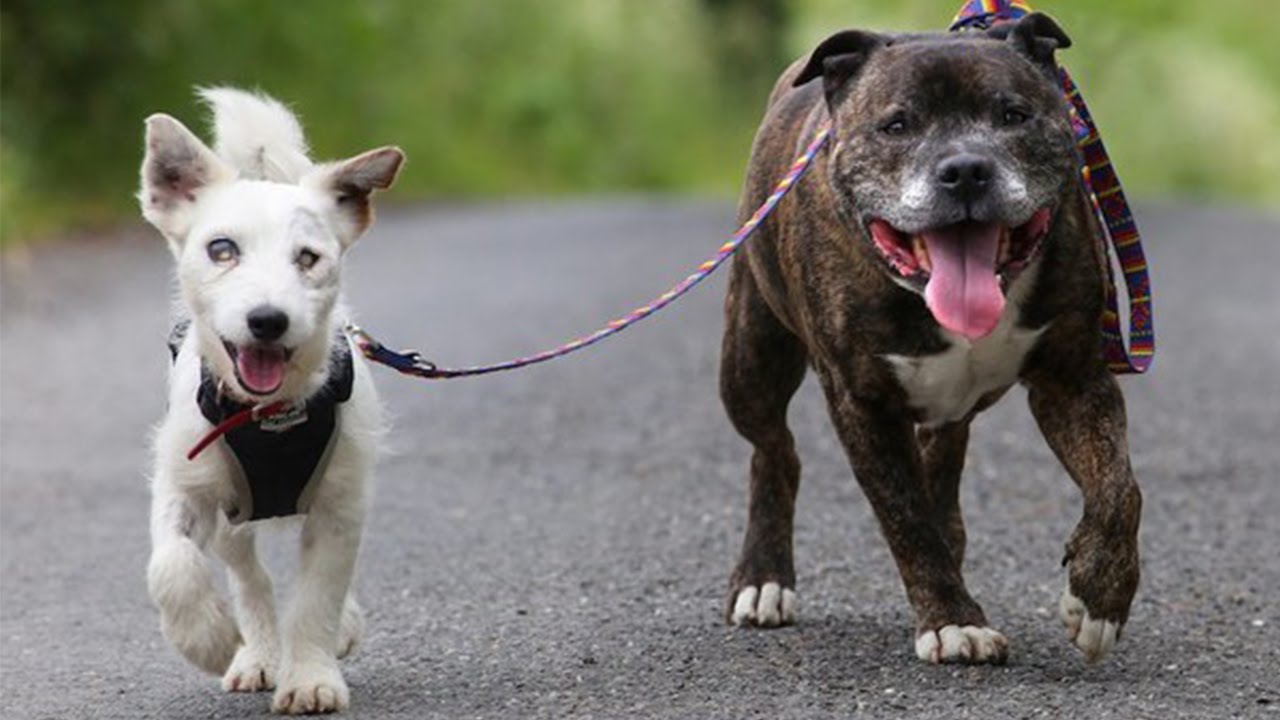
{"x":1095,"y":638}
{"x":967,"y":644}
{"x":250,"y":671}
{"x":309,"y":690}
{"x":768,"y":606}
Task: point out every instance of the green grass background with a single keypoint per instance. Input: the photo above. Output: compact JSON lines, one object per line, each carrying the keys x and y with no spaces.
{"x":537,"y":97}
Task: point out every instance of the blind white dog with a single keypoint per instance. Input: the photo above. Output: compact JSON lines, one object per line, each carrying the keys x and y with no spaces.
{"x":259,"y":232}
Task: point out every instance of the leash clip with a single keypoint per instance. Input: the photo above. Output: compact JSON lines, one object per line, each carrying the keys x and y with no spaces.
{"x":419,"y":362}
{"x":409,"y":361}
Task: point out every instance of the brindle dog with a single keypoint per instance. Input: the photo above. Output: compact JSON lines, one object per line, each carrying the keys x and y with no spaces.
{"x":941,"y":249}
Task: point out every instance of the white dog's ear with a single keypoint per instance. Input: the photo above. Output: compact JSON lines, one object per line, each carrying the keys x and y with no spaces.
{"x":176,"y":168}
{"x":350,"y":182}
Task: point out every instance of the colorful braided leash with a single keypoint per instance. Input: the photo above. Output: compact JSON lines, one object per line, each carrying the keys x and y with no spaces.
{"x":412,"y":363}
{"x":1098,"y":176}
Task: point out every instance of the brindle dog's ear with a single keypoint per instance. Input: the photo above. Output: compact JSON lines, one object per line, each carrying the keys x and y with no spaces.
{"x":839,"y":58}
{"x":1036,"y":36}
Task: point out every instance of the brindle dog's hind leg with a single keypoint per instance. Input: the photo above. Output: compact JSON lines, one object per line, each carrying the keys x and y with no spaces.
{"x":762,"y":364}
{"x":942,"y":449}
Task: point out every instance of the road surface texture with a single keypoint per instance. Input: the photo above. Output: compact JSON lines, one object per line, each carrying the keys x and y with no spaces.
{"x":556,"y":542}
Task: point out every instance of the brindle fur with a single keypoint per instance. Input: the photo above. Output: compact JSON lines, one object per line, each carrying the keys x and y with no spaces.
{"x":809,"y":290}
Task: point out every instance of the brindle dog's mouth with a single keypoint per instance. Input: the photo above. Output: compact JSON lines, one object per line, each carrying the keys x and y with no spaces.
{"x":260,"y":368}
{"x":962,"y":265}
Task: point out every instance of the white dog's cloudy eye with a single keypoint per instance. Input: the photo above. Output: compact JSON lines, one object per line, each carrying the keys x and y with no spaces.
{"x":307,"y":259}
{"x":223,"y":250}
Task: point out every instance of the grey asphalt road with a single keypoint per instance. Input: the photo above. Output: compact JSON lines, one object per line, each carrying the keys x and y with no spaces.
{"x":555,"y":542}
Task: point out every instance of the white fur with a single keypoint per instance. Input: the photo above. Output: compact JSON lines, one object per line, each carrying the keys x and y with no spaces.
{"x":917,"y":194}
{"x":946,"y":386}
{"x":261,"y":191}
{"x":1095,"y":638}
{"x":258,"y":135}
{"x":1014,"y":188}
{"x":967,"y":644}
{"x":769,"y":605}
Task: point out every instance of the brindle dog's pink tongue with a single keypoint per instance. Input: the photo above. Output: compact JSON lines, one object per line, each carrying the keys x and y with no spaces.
{"x":963,"y":291}
{"x":261,"y":369}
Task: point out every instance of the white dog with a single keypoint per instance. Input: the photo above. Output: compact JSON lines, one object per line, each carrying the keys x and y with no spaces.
{"x":259,"y":233}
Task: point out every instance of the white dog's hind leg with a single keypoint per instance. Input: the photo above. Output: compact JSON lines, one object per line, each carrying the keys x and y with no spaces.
{"x":351,"y":629}
{"x":310,"y":681}
{"x":255,"y":663}
{"x":180,"y":582}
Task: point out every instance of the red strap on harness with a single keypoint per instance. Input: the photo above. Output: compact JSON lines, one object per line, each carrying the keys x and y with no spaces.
{"x":248,"y":415}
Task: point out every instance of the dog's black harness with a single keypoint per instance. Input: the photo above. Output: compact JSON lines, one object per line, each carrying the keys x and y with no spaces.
{"x":276,"y":458}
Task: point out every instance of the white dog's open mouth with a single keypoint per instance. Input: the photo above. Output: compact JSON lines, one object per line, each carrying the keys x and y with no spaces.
{"x":962,"y":264}
{"x":259,"y":368}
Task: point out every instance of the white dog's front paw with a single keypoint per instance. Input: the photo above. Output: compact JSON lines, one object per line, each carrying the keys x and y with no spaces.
{"x":192,"y":616}
{"x":311,"y":689}
{"x":768,"y":606}
{"x":250,"y":671}
{"x":208,"y":638}
{"x":1095,"y":638}
{"x":967,"y":644}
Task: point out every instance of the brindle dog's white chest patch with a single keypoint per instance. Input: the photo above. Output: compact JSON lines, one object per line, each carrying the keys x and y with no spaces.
{"x":946,"y":386}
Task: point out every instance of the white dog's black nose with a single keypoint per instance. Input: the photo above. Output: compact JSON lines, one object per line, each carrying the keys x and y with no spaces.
{"x":268,"y":323}
{"x":965,"y":176}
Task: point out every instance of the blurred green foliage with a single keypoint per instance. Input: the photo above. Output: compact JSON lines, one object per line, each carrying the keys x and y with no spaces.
{"x":496,"y":97}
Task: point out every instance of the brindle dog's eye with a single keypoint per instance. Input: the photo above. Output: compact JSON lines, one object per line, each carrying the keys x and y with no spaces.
{"x":223,"y":250}
{"x":307,"y":259}
{"x":1013,"y":116}
{"x":896,"y":126}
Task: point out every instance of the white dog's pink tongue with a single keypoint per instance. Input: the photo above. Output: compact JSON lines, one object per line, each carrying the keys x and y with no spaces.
{"x":963,"y":292}
{"x":261,"y":369}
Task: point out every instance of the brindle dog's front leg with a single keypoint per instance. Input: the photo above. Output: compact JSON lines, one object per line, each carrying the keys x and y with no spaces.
{"x":881,"y":444}
{"x":1083,"y":420}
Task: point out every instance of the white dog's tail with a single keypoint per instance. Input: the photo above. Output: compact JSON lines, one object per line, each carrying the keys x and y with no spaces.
{"x":257,"y":135}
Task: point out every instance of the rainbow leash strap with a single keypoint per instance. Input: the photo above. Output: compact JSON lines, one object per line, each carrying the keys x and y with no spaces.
{"x":1097,"y":174}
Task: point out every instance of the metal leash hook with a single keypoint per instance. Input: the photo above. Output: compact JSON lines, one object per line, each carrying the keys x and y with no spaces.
{"x":409,"y":362}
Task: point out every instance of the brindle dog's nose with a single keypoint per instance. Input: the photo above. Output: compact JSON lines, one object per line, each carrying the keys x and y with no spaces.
{"x":268,"y":323}
{"x":965,"y":176}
